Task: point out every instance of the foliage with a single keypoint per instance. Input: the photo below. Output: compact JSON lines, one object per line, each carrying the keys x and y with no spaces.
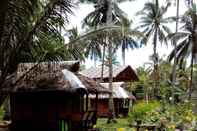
{"x":140,"y":110}
{"x":123,"y":37}
{"x":165,"y":115}
{"x":180,"y":115}
{"x":75,"y":50}
{"x":145,"y":83}
{"x":24,"y":24}
{"x":186,"y":37}
{"x":143,"y":87}
{"x":153,"y":25}
{"x":99,"y":15}
{"x":154,"y":22}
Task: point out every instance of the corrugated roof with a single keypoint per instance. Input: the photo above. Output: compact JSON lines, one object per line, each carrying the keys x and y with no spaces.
{"x":118,"y":91}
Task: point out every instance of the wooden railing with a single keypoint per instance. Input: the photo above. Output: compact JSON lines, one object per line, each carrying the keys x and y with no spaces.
{"x":89,"y":119}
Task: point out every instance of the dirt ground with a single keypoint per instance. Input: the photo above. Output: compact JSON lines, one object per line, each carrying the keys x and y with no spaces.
{"x":4,"y":129}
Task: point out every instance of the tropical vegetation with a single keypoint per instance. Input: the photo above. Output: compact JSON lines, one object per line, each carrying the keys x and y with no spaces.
{"x":36,"y":31}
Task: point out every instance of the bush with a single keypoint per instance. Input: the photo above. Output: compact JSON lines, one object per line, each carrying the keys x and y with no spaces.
{"x":166,"y":116}
{"x":140,"y":110}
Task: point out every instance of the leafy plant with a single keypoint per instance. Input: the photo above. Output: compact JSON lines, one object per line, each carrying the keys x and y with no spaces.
{"x":141,"y":109}
{"x":172,"y":116}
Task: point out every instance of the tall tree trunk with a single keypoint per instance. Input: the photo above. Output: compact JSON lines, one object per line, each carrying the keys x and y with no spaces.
{"x":123,"y":51}
{"x":191,"y":77}
{"x":94,"y":61}
{"x":155,"y":61}
{"x":103,"y":60}
{"x":175,"y":52}
{"x":194,"y":52}
{"x":155,"y":57}
{"x":111,"y":103}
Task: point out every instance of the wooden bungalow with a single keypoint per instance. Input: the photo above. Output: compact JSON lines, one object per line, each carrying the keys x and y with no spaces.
{"x":122,"y":100}
{"x":121,"y":97}
{"x":52,"y":97}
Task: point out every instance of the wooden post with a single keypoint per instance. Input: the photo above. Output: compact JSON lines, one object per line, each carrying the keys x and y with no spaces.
{"x":96,"y":103}
{"x":87,"y":102}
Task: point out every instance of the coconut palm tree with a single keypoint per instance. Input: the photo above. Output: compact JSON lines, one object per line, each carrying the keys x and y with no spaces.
{"x":106,"y":13}
{"x":75,"y":50}
{"x":103,"y":15}
{"x":175,"y":51}
{"x":126,"y":37}
{"x":98,"y":17}
{"x":187,"y":40}
{"x":153,"y":25}
{"x":23,"y":23}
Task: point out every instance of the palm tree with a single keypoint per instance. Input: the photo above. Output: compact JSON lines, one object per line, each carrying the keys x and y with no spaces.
{"x":98,"y":17}
{"x":103,"y":15}
{"x":153,"y":24}
{"x":75,"y":50}
{"x":21,"y":24}
{"x":126,"y":37}
{"x":175,"y":51}
{"x":187,"y":40}
{"x":109,"y":21}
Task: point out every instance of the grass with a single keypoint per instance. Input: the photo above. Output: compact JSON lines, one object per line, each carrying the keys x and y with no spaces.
{"x":121,"y":125}
{"x":121,"y":122}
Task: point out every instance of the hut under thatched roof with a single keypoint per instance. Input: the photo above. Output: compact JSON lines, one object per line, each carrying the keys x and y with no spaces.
{"x":50,"y":95}
{"x":120,"y":73}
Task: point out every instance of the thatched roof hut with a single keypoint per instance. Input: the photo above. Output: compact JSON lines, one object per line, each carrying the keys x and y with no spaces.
{"x":46,"y":96}
{"x":120,"y":73}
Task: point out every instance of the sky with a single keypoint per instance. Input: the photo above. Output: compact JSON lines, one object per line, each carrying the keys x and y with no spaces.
{"x":136,"y":57}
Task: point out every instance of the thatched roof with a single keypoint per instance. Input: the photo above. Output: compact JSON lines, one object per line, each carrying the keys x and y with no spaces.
{"x":44,"y":82}
{"x":34,"y":69}
{"x":120,"y":73}
{"x":61,"y":76}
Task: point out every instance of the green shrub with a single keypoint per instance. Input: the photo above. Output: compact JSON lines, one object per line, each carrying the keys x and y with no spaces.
{"x":166,"y":116}
{"x":141,"y":109}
